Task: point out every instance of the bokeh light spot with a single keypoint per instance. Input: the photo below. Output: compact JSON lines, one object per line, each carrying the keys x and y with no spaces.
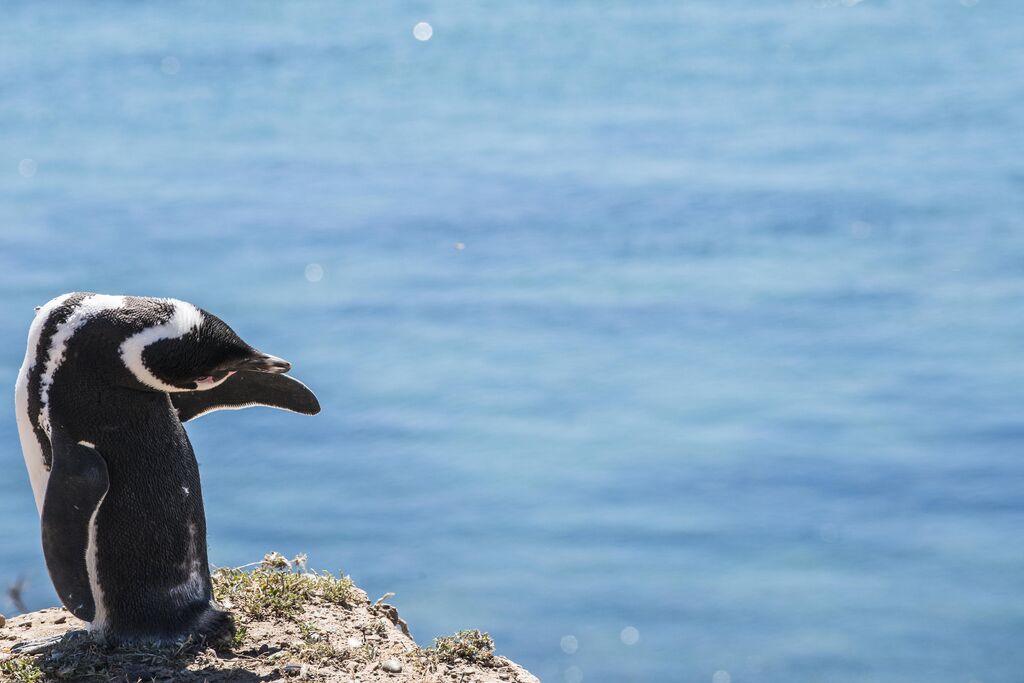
{"x":314,"y":272}
{"x":27,"y":168}
{"x":629,"y":635}
{"x":569,"y":644}
{"x":423,"y":31}
{"x":573,"y":674}
{"x":721,"y":677}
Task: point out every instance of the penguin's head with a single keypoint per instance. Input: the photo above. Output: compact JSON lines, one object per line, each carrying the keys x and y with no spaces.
{"x":205,"y":356}
{"x":192,"y":350}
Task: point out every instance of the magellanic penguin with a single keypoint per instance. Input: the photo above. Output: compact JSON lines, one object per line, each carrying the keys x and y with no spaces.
{"x":101,"y":397}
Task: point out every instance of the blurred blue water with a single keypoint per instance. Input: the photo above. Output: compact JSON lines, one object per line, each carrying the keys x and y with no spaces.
{"x":731,"y":354}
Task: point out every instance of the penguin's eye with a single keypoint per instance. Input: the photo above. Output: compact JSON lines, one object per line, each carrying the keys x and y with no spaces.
{"x":207,"y":381}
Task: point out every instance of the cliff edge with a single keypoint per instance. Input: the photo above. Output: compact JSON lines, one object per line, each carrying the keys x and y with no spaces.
{"x":293,"y":624}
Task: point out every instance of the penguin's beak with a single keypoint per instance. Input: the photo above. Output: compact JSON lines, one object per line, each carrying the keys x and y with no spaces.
{"x":263,"y":362}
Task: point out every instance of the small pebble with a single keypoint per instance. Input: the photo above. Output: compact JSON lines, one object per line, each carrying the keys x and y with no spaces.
{"x":355,"y":642}
{"x":3,"y":621}
{"x":291,"y":669}
{"x":392,"y":666}
{"x":61,"y":619}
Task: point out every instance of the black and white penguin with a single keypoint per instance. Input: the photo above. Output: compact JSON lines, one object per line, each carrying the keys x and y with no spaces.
{"x":101,"y":397}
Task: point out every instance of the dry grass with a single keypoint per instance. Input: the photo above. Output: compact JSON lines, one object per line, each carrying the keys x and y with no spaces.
{"x":472,"y":646}
{"x":290,"y":622}
{"x":278,"y":588}
{"x":315,"y":648}
{"x":84,"y":659}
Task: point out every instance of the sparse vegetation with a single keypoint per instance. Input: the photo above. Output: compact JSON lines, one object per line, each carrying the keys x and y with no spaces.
{"x":237,"y":640}
{"x":83,"y":658}
{"x":316,"y":648}
{"x":290,"y":622}
{"x":20,"y":670}
{"x":473,"y":646}
{"x":278,"y":588}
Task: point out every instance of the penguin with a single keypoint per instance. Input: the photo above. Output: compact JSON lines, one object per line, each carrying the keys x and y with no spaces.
{"x":106,"y":385}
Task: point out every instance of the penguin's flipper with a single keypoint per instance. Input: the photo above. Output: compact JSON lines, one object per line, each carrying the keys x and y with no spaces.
{"x":78,"y":482}
{"x":247,"y":388}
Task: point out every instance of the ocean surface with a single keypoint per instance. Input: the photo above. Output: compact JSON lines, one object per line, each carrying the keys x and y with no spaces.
{"x":663,"y":340}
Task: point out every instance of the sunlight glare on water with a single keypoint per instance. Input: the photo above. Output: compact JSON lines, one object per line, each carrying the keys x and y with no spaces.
{"x":423,"y":31}
{"x":27,"y":168}
{"x":314,"y":272}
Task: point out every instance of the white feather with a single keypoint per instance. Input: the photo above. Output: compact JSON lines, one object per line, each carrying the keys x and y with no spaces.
{"x":90,"y":307}
{"x":100,"y":618}
{"x":30,"y":448}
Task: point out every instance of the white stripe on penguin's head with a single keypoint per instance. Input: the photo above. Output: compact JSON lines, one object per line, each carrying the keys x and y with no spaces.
{"x":184,"y":319}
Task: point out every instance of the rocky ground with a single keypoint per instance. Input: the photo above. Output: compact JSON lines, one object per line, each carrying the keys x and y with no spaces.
{"x":292,"y":625}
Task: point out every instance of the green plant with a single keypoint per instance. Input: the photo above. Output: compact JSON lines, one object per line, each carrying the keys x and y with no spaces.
{"x":470,"y":645}
{"x":20,"y":670}
{"x":278,"y":588}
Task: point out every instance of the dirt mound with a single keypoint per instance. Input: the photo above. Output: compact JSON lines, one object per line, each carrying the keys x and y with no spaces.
{"x":293,"y":624}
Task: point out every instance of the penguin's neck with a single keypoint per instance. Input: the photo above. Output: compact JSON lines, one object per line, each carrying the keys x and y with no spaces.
{"x":90,"y":408}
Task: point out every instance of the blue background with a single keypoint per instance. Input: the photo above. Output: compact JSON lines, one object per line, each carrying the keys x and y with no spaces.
{"x":731,"y":353}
